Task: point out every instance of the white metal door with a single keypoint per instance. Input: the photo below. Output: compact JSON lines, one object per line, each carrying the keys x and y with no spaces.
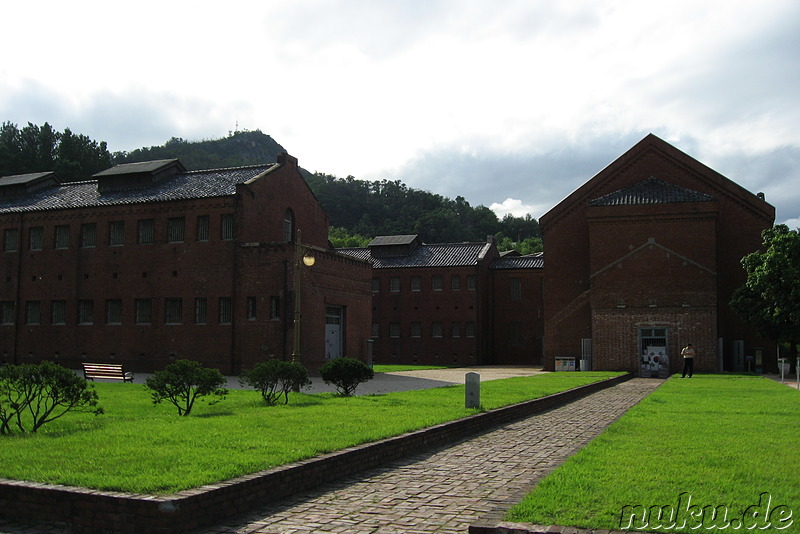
{"x":333,"y":332}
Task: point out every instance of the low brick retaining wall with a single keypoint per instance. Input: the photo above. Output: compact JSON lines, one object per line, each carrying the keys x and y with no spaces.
{"x":87,"y":510}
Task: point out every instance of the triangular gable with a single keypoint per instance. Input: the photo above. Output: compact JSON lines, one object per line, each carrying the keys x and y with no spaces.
{"x":651,"y":191}
{"x":652,"y":242}
{"x":669,"y":164}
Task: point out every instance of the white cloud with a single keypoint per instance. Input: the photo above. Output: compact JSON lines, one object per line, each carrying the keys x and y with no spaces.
{"x":520,"y":99}
{"x":511,"y":206}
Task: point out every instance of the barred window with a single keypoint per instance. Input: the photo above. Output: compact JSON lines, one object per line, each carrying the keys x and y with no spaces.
{"x":456,"y":329}
{"x":33,"y":312}
{"x":200,"y":310}
{"x":516,"y":289}
{"x":202,"y":227}
{"x":7,"y":312}
{"x":144,"y":311}
{"x":288,"y":226}
{"x":436,"y":282}
{"x":11,"y":240}
{"x":394,"y":329}
{"x":376,"y":330}
{"x":36,"y":238}
{"x":394,"y":284}
{"x":62,"y":236}
{"x":436,"y":329}
{"x":58,"y":312}
{"x":175,"y":229}
{"x":147,"y":231}
{"x":88,"y":235}
{"x":116,"y":233}
{"x":173,"y":311}
{"x":226,"y":224}
{"x":455,"y":282}
{"x":416,"y":329}
{"x":376,"y":285}
{"x":471,"y":282}
{"x":225,"y":310}
{"x":274,"y":307}
{"x":114,"y":311}
{"x":416,"y":283}
{"x":470,"y":329}
{"x":251,"y":308}
{"x":85,"y":312}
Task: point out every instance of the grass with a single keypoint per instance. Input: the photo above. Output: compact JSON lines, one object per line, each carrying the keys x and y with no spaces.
{"x":722,"y":440}
{"x":144,"y":448}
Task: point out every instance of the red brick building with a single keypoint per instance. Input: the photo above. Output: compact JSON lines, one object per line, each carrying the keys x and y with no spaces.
{"x":643,"y":258}
{"x":452,"y":303}
{"x":147,"y":263}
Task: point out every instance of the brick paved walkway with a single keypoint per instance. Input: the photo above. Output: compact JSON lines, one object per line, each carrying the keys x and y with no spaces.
{"x":447,"y":490}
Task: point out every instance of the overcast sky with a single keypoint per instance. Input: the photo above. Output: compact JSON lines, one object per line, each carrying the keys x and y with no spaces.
{"x":510,"y":104}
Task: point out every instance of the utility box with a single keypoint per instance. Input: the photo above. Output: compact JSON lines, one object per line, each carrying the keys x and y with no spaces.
{"x":565,"y":363}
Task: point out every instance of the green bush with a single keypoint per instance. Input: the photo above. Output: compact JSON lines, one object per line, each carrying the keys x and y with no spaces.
{"x":34,"y":394}
{"x":346,"y":374}
{"x":183,"y":382}
{"x":275,"y":378}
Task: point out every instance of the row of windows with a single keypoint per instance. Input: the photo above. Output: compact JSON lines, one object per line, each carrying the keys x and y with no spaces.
{"x":173,"y":231}
{"x":437,"y":283}
{"x":435,"y":330}
{"x":143,"y":311}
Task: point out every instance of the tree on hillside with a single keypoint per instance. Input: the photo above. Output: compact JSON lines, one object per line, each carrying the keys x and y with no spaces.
{"x":41,"y":149}
{"x":770,"y":298}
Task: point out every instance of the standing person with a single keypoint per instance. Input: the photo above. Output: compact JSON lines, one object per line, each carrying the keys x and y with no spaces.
{"x":688,"y":360}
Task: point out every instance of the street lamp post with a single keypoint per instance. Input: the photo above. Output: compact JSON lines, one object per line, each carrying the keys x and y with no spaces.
{"x":300,"y":259}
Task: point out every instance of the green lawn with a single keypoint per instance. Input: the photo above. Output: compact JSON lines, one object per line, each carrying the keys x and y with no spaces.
{"x":140,"y":447}
{"x":720,"y":440}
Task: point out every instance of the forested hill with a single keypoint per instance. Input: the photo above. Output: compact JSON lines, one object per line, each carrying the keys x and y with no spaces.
{"x":358,"y":210}
{"x":238,"y":149}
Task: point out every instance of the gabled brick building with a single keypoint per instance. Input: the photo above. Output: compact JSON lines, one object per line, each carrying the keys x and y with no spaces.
{"x":452,"y":303}
{"x":148,"y":263}
{"x":644,"y":257}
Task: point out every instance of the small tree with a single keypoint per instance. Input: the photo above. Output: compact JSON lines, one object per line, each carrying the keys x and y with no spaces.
{"x":183,"y":382}
{"x":274,"y":378}
{"x":346,"y":374}
{"x":770,"y":298}
{"x":32,"y":395}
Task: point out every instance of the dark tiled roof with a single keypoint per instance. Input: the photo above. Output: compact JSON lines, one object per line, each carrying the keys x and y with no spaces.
{"x":438,"y":255}
{"x":651,"y":191}
{"x":19,"y":179}
{"x":531,"y":261}
{"x":383,"y":240}
{"x":139,"y":167}
{"x":188,"y":185}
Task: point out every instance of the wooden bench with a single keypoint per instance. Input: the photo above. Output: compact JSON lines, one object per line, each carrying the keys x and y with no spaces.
{"x":110,"y":371}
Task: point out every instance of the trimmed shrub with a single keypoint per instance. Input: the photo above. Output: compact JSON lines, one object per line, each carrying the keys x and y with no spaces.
{"x":275,"y":378}
{"x":183,"y":382}
{"x":346,"y":374}
{"x":34,"y":394}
